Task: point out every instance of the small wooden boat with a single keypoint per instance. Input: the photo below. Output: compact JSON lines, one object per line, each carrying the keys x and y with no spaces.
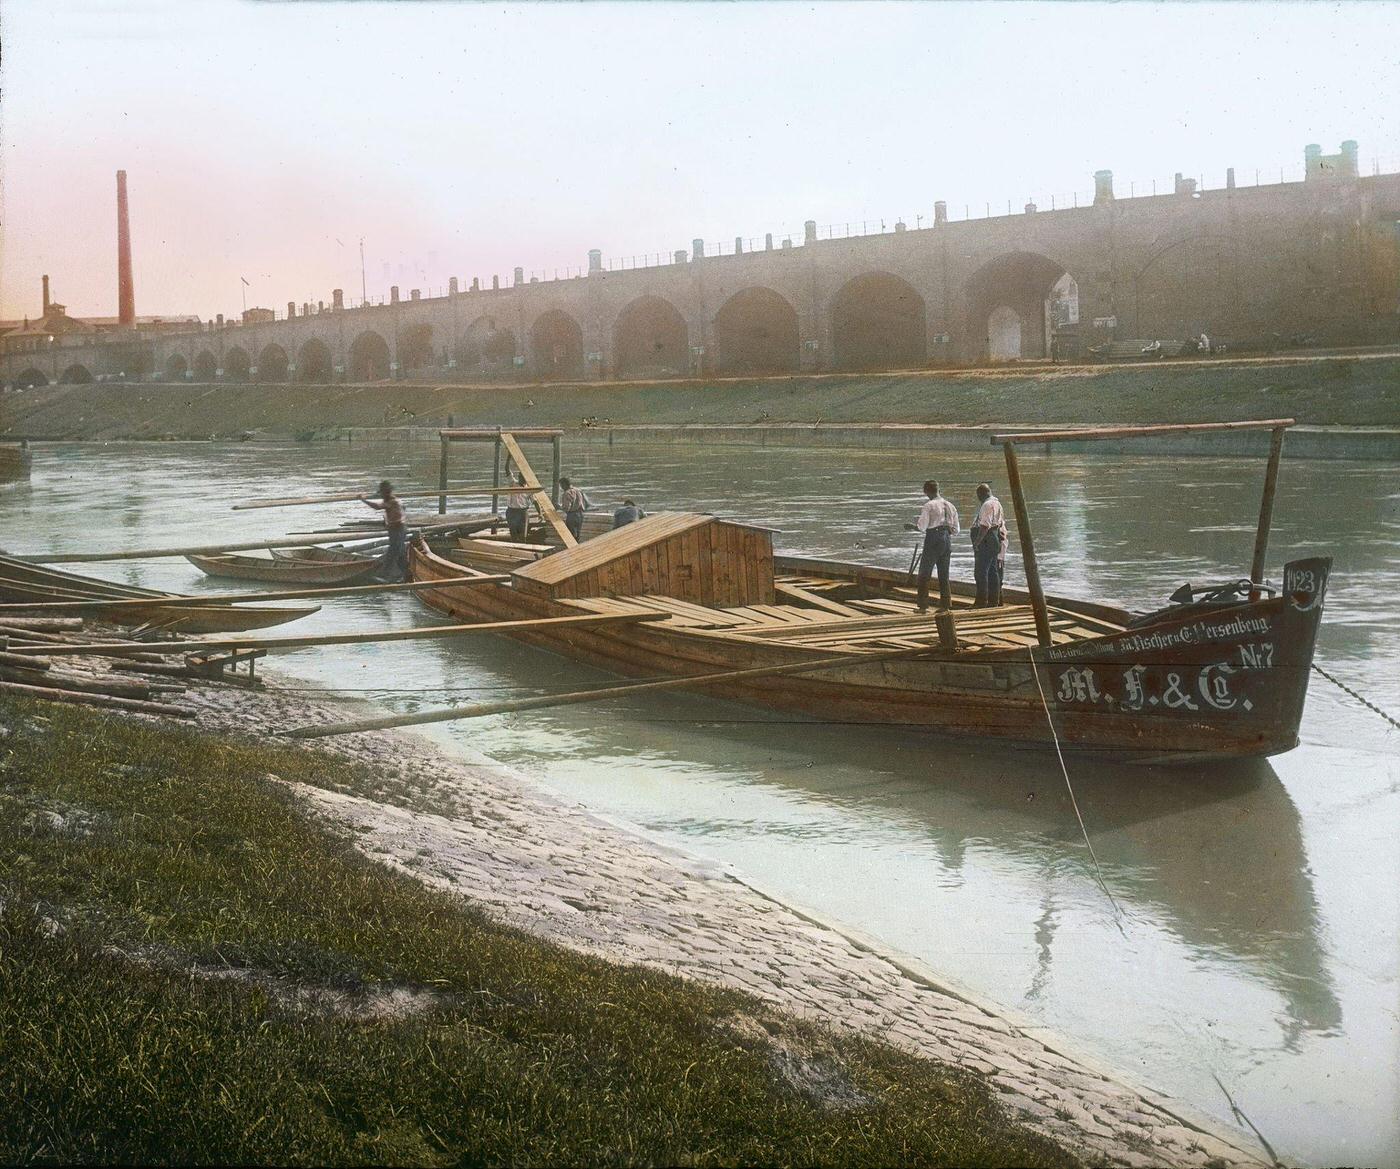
{"x":287,"y":570}
{"x":15,"y":460}
{"x":317,"y":554}
{"x":24,"y":583}
{"x":1210,"y":676}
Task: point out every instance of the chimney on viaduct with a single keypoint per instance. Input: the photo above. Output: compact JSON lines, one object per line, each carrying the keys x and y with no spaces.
{"x":126,"y":291}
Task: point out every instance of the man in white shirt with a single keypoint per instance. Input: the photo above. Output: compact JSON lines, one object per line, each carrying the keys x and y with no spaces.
{"x":518,"y":509}
{"x":573,"y":503}
{"x":938,"y":520}
{"x":988,"y":547}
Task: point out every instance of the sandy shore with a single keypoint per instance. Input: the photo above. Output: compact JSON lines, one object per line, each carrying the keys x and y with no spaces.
{"x":483,"y":830}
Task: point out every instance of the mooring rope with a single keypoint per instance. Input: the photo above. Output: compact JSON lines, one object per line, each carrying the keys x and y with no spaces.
{"x":1369,"y":705}
{"x":1074,"y":802}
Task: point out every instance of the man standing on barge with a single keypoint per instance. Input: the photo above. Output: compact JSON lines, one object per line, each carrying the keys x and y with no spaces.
{"x":938,"y":520}
{"x":988,"y":547}
{"x":393,"y":566}
{"x":573,"y":503}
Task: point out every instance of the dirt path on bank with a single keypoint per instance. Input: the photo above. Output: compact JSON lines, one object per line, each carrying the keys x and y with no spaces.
{"x":1360,"y":389}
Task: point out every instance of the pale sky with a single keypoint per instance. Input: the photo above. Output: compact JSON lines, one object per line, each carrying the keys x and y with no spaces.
{"x":265,"y":139}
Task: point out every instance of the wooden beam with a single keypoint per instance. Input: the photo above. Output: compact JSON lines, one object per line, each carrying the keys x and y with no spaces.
{"x":235,"y":598}
{"x":79,"y":699}
{"x":1096,"y":432}
{"x":797,"y":593}
{"x":489,"y":434}
{"x":310,"y":640}
{"x":577,"y":697}
{"x":548,"y":511}
{"x":300,"y":541}
{"x":1023,"y":534}
{"x":442,"y":479}
{"x":1266,"y":511}
{"x":351,"y":496}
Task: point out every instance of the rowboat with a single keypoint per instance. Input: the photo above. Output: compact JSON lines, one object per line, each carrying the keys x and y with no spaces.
{"x":25,"y":583}
{"x":286,"y":569}
{"x":1212,"y":674}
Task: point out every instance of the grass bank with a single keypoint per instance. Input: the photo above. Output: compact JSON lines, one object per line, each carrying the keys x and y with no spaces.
{"x":1346,"y":390}
{"x":193,"y":970}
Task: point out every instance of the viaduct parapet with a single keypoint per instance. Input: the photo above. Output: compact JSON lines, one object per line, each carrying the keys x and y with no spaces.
{"x":1242,"y":264}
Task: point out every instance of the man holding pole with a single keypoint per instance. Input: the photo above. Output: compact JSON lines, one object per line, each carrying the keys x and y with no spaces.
{"x":988,"y":548}
{"x":938,"y":520}
{"x":394,"y":565}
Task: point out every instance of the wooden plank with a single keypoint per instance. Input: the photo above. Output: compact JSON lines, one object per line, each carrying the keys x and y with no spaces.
{"x":351,"y":496}
{"x":305,"y":641}
{"x":79,"y":699}
{"x":298,"y":541}
{"x":1095,"y":432}
{"x":796,"y":592}
{"x":215,"y":599}
{"x":548,"y":512}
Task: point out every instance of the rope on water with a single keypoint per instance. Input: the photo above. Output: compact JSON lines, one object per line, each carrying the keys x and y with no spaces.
{"x":1369,"y":705}
{"x":1098,"y":871}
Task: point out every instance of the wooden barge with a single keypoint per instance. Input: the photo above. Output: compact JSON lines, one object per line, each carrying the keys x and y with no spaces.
{"x":1204,"y":678}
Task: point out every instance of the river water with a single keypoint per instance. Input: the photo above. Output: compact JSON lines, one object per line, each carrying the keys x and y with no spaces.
{"x":1253,"y":936}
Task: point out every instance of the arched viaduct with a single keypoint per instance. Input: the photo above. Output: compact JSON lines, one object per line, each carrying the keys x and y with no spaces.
{"x":1320,"y":256}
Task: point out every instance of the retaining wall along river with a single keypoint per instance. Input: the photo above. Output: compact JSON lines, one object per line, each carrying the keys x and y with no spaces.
{"x":1352,"y":401}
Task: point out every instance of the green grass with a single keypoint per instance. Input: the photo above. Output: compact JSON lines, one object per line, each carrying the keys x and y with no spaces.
{"x":137,"y":862}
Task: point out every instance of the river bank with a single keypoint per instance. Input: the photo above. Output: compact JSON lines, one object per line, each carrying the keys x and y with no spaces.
{"x":477,"y":830}
{"x":1358,"y":392}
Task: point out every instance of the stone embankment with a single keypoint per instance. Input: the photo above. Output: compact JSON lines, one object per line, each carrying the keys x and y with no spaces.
{"x":1351,"y":400}
{"x":483,"y":831}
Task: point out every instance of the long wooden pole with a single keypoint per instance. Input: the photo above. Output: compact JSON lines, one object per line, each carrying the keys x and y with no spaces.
{"x":1266,"y":511}
{"x":350,"y":496}
{"x":496,"y":475}
{"x":442,"y":478}
{"x":1023,"y":533}
{"x":349,"y":536}
{"x":577,"y":697}
{"x":235,"y":598}
{"x":310,"y":640}
{"x":1094,"y":432}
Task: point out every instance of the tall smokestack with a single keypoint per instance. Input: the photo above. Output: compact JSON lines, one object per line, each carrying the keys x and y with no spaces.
{"x":46,"y":296}
{"x":126,"y":292}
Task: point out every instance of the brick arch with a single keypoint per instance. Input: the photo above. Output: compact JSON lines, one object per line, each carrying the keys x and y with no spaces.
{"x":369,"y":357}
{"x":650,"y":339}
{"x":756,"y":332}
{"x":486,"y":348}
{"x":237,"y":363}
{"x":76,"y":374}
{"x":205,"y":365}
{"x":1015,"y":284}
{"x":176,"y":366}
{"x":556,"y":347}
{"x":272,"y":363}
{"x":878,"y":321}
{"x":1187,"y":287}
{"x":415,"y":348}
{"x":314,"y":361}
{"x":31,"y":377}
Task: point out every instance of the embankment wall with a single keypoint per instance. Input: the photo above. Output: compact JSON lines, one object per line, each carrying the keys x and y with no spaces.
{"x":892,"y":410}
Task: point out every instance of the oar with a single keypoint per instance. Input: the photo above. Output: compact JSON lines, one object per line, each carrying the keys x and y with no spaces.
{"x":308,"y":640}
{"x":234,"y":598}
{"x":576,"y":697}
{"x":347,"y":496}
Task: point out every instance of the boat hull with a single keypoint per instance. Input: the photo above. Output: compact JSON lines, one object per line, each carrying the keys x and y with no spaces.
{"x":286,"y":571}
{"x":1224,"y":685}
{"x":24,"y":583}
